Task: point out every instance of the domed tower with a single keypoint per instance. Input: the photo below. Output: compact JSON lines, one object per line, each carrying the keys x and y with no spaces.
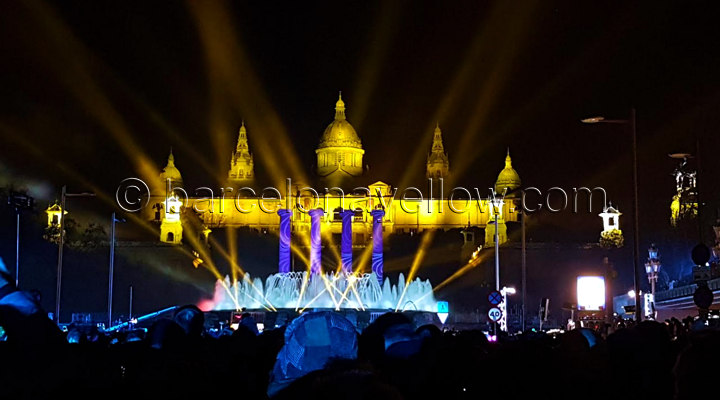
{"x":438,"y":164}
{"x":168,"y":210}
{"x":508,"y":179}
{"x":241,"y":163}
{"x":171,"y":173}
{"x":340,"y":153}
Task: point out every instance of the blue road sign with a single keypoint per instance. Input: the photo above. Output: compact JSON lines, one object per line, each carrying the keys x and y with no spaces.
{"x":443,"y":307}
{"x":495,"y":297}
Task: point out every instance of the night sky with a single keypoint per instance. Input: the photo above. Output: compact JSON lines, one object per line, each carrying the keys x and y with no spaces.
{"x":91,"y":91}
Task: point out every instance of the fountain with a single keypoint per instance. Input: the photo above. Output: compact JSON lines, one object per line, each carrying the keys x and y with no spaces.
{"x":300,"y":290}
{"x":343,"y":289}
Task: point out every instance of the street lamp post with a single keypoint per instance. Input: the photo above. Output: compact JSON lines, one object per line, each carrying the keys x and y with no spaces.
{"x":523,"y":265}
{"x":112,"y":267}
{"x":20,"y":202}
{"x":497,"y":209}
{"x":497,"y":257}
{"x":636,"y":234}
{"x":60,"y":247}
{"x":652,"y":267}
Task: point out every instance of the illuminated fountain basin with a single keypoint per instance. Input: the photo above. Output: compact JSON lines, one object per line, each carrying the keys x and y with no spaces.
{"x":300,"y":290}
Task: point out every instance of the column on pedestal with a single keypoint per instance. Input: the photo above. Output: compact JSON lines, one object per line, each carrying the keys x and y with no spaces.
{"x":346,"y":240}
{"x":285,"y":232}
{"x":315,"y":240}
{"x":377,"y":254}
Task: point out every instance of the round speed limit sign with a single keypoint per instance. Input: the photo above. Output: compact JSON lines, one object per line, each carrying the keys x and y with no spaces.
{"x":494,"y":314}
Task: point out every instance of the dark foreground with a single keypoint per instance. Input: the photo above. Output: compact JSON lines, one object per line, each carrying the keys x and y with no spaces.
{"x":320,"y":355}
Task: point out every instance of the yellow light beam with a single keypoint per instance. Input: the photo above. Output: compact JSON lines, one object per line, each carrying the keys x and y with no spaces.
{"x":419,"y":256}
{"x":77,"y":76}
{"x":460,"y":272}
{"x":375,"y":53}
{"x":233,"y":80}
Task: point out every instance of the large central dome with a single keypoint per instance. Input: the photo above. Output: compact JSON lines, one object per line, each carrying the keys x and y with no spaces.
{"x":508,"y":179}
{"x":340,"y":133}
{"x":340,"y":153}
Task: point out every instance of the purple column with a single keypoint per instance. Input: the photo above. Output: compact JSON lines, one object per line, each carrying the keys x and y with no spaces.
{"x":346,"y":240}
{"x":377,"y":254}
{"x":285,"y":231}
{"x":315,"y":242}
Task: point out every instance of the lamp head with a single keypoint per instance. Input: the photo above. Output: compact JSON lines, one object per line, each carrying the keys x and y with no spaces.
{"x":593,"y":120}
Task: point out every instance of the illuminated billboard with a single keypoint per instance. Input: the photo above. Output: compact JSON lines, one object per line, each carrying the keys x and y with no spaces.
{"x":591,"y":293}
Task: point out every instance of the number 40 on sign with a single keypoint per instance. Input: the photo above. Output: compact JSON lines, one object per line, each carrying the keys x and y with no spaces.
{"x":494,"y":314}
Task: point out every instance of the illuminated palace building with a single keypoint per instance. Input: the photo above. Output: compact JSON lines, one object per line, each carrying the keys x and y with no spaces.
{"x":339,"y":164}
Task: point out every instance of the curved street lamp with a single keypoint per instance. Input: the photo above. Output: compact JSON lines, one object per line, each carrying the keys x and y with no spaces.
{"x":636,"y":235}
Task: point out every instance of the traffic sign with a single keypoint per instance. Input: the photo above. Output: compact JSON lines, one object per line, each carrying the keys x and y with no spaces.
{"x":700,"y":254}
{"x":495,"y":297}
{"x":443,"y":317}
{"x":494,"y":314}
{"x":443,"y":307}
{"x":703,"y":297}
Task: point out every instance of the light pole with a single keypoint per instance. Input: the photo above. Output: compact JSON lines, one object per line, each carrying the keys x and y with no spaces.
{"x":505,"y":291}
{"x":131,"y":300}
{"x":112,"y":267}
{"x":636,"y":234}
{"x":523,"y":266}
{"x":60,"y":247}
{"x":497,"y":203}
{"x":20,"y":202}
{"x":652,"y":267}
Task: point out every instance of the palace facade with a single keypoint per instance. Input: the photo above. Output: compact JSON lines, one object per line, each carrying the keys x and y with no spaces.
{"x":339,"y":160}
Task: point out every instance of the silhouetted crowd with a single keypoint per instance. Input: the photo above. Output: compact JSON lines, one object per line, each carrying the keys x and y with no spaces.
{"x":320,"y":355}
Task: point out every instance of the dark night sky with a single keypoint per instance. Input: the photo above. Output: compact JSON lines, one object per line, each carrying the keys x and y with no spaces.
{"x":77,"y":77}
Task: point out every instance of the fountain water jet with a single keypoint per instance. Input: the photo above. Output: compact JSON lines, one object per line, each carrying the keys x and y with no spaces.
{"x":283,"y":290}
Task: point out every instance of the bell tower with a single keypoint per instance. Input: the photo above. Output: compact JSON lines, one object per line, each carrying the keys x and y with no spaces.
{"x":438,"y":164}
{"x":241,"y":161}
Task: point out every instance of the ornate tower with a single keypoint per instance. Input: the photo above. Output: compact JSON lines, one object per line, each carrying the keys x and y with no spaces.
{"x":611,"y":235}
{"x":171,"y":226}
{"x":495,"y":207}
{"x":508,"y":180}
{"x":438,"y":164}
{"x":53,"y":213}
{"x":340,"y":153}
{"x":611,"y":219}
{"x":241,"y":162}
{"x":170,"y":173}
